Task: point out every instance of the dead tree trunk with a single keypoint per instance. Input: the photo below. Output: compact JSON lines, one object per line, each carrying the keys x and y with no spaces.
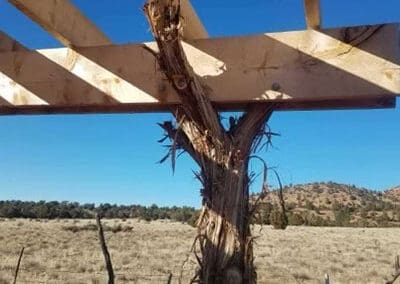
{"x":224,"y":237}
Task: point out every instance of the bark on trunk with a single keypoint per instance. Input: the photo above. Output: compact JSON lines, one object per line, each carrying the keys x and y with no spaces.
{"x":224,"y":237}
{"x":223,"y":226}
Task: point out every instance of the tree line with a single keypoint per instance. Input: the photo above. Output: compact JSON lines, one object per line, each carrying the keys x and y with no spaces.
{"x":266,"y":214}
{"x":75,"y":210}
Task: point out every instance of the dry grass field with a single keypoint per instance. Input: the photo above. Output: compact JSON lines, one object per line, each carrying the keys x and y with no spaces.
{"x":58,"y":252}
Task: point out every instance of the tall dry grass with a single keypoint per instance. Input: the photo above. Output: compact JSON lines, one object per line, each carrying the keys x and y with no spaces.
{"x":67,"y":251}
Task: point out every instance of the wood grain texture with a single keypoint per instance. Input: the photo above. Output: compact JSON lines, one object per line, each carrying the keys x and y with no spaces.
{"x":71,"y":27}
{"x":7,"y":98}
{"x":64,"y":21}
{"x":324,"y":69}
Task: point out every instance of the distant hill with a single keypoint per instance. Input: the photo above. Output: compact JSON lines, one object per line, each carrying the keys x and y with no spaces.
{"x":336,"y":205}
{"x":393,"y":194}
{"x":312,"y":204}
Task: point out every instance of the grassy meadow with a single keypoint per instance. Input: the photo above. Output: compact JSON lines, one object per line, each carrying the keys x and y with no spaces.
{"x":68,"y":251}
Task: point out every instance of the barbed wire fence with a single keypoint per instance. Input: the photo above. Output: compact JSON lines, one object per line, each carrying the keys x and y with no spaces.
{"x":53,"y":275}
{"x":174,"y":274}
{"x":122,"y":277}
{"x":47,"y":276}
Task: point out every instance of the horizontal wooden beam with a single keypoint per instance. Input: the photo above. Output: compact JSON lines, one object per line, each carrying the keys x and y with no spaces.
{"x":340,"y":68}
{"x":313,"y":14}
{"x":64,"y":21}
{"x":347,"y":104}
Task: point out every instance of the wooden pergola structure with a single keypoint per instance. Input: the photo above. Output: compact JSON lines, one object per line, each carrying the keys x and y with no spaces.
{"x":194,"y":76}
{"x":346,"y":68}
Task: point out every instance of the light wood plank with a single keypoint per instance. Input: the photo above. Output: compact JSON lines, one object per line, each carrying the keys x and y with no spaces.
{"x":64,"y":21}
{"x":306,"y":69}
{"x":67,"y":23}
{"x":312,"y":14}
{"x":8,"y":98}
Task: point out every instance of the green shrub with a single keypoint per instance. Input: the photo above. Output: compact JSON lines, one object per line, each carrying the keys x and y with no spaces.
{"x":343,"y":217}
{"x":278,"y":219}
{"x":309,"y":205}
{"x":193,"y":219}
{"x":295,"y":219}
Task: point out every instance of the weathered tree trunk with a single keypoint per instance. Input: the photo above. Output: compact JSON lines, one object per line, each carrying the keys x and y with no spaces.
{"x":224,"y":237}
{"x":224,"y":228}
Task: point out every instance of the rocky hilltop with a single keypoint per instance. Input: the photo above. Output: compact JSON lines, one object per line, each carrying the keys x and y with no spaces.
{"x":330,"y":203}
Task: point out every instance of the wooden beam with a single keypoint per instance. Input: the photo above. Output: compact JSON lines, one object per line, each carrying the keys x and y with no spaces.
{"x":347,"y":104}
{"x":64,"y":21}
{"x":313,"y":14}
{"x":7,"y":43}
{"x":310,"y":69}
{"x":193,"y":27}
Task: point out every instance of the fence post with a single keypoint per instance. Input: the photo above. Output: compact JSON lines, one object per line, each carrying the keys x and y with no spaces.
{"x":106,"y":254}
{"x":396,"y":273}
{"x":19,"y":262}
{"x":326,"y":278}
{"x":169,"y":278}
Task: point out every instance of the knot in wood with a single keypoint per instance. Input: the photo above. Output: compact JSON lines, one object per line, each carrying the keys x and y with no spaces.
{"x":275,"y":86}
{"x":212,"y":225}
{"x":179,"y":82}
{"x":155,"y":15}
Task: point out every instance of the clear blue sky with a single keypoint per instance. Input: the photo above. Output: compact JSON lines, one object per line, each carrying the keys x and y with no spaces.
{"x":112,"y":158}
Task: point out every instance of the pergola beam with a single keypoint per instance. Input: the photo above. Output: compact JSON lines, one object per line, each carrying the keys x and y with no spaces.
{"x":7,"y":43}
{"x":71,"y":27}
{"x":340,"y":68}
{"x":347,"y":104}
{"x":193,"y":27}
{"x":313,"y":14}
{"x":64,"y":21}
